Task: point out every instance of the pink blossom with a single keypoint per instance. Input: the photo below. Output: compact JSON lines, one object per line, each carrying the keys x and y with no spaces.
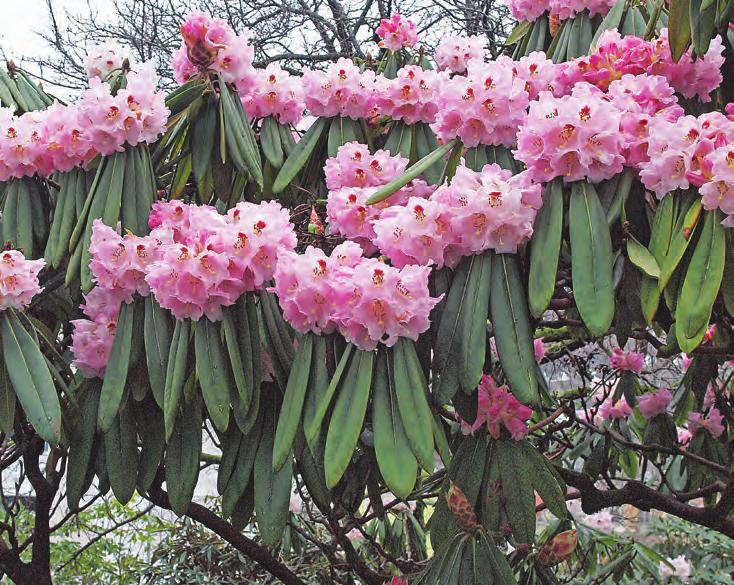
{"x":497,"y":407}
{"x":718,"y":193}
{"x":575,"y":137}
{"x":566,"y":9}
{"x":274,"y":92}
{"x":485,"y":107}
{"x":210,"y":260}
{"x":454,"y":52}
{"x":414,"y":233}
{"x":411,"y":96}
{"x":397,"y":33}
{"x":537,"y":71}
{"x":684,"y":436}
{"x":610,"y":410}
{"x":396,"y":581}
{"x":104,"y":59}
{"x":681,"y":569}
{"x":540,"y":349}
{"x":354,"y":166}
{"x":654,"y":403}
{"x":211,"y":45}
{"x":528,"y":10}
{"x":91,"y":345}
{"x":341,"y":90}
{"x":685,"y":362}
{"x":379,"y":303}
{"x":491,"y":209}
{"x":627,"y":361}
{"x":18,"y":279}
{"x":712,"y":422}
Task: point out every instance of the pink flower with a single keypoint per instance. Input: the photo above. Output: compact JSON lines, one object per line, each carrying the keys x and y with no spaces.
{"x":396,"y":581}
{"x":712,"y":422}
{"x":209,"y":260}
{"x":540,"y":349}
{"x":104,"y":59}
{"x":566,"y":9}
{"x":454,"y":52}
{"x":274,"y":92}
{"x":575,"y":137}
{"x":491,"y":209}
{"x":679,"y":567}
{"x":610,"y":410}
{"x":718,"y":193}
{"x":654,"y":403}
{"x":485,"y":107}
{"x":537,"y":71}
{"x":379,"y":303}
{"x":354,"y":166}
{"x":416,"y":233}
{"x":18,"y":279}
{"x":411,"y":96}
{"x":528,"y":10}
{"x":684,"y":436}
{"x":397,"y":33}
{"x":211,"y":45}
{"x":627,"y":361}
{"x":341,"y":90}
{"x":685,"y":362}
{"x":497,"y":407}
{"x":91,"y":345}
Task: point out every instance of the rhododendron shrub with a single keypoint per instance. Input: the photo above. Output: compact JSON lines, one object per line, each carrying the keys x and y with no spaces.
{"x":408,"y":286}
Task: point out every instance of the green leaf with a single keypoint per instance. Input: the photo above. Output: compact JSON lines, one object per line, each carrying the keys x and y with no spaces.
{"x":660,"y":236}
{"x":544,"y":482}
{"x":512,"y":331}
{"x":591,"y":258}
{"x":121,"y":454}
{"x":246,"y":455}
{"x":270,"y":141}
{"x":157,"y":333}
{"x":679,"y":27}
{"x":313,"y":429}
{"x":517,"y":476}
{"x":80,"y":448}
{"x":642,"y":257}
{"x":31,"y":378}
{"x":348,"y":416}
{"x":175,"y":373}
{"x":203,"y":133}
{"x":299,"y":156}
{"x":612,"y":20}
{"x":545,"y":248}
{"x":472,"y":326}
{"x":7,"y":400}
{"x":520,"y":30}
{"x":701,"y":284}
{"x":293,"y":400}
{"x":395,"y":459}
{"x":115,"y":376}
{"x":703,"y":24}
{"x":182,"y":457}
{"x":411,"y":173}
{"x":211,"y":370}
{"x":272,"y":489}
{"x":410,"y":389}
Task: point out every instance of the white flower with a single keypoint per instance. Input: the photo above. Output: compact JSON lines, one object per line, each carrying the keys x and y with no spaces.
{"x":681,"y":568}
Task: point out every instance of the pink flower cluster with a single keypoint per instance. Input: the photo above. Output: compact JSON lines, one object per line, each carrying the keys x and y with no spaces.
{"x":712,"y":421}
{"x":18,"y":279}
{"x":104,"y":59}
{"x":397,"y":33}
{"x":497,"y":407}
{"x":610,"y":410}
{"x":354,"y":166}
{"x":654,"y":403}
{"x":718,"y":192}
{"x":411,"y":96}
{"x":627,"y":361}
{"x":615,"y":56}
{"x":341,"y":90}
{"x":93,"y":337}
{"x":575,"y":137}
{"x":454,"y":52}
{"x":209,"y":260}
{"x":367,"y":301}
{"x":530,"y":10}
{"x":210,"y":44}
{"x":484,"y":107}
{"x":681,"y":154}
{"x":63,"y":137}
{"x":274,"y":92}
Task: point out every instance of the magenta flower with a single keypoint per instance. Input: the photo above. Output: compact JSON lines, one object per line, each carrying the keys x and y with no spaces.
{"x":497,"y":407}
{"x":610,"y":410}
{"x":654,"y":403}
{"x":712,"y":422}
{"x":627,"y":361}
{"x":397,"y":33}
{"x":276,"y":93}
{"x":540,"y":349}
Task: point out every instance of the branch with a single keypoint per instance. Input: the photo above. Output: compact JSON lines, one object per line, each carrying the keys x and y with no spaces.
{"x":224,"y":529}
{"x":645,"y":498}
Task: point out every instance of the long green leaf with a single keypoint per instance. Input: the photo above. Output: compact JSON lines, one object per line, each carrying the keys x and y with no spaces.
{"x":545,"y":248}
{"x":211,"y":370}
{"x":300,"y":155}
